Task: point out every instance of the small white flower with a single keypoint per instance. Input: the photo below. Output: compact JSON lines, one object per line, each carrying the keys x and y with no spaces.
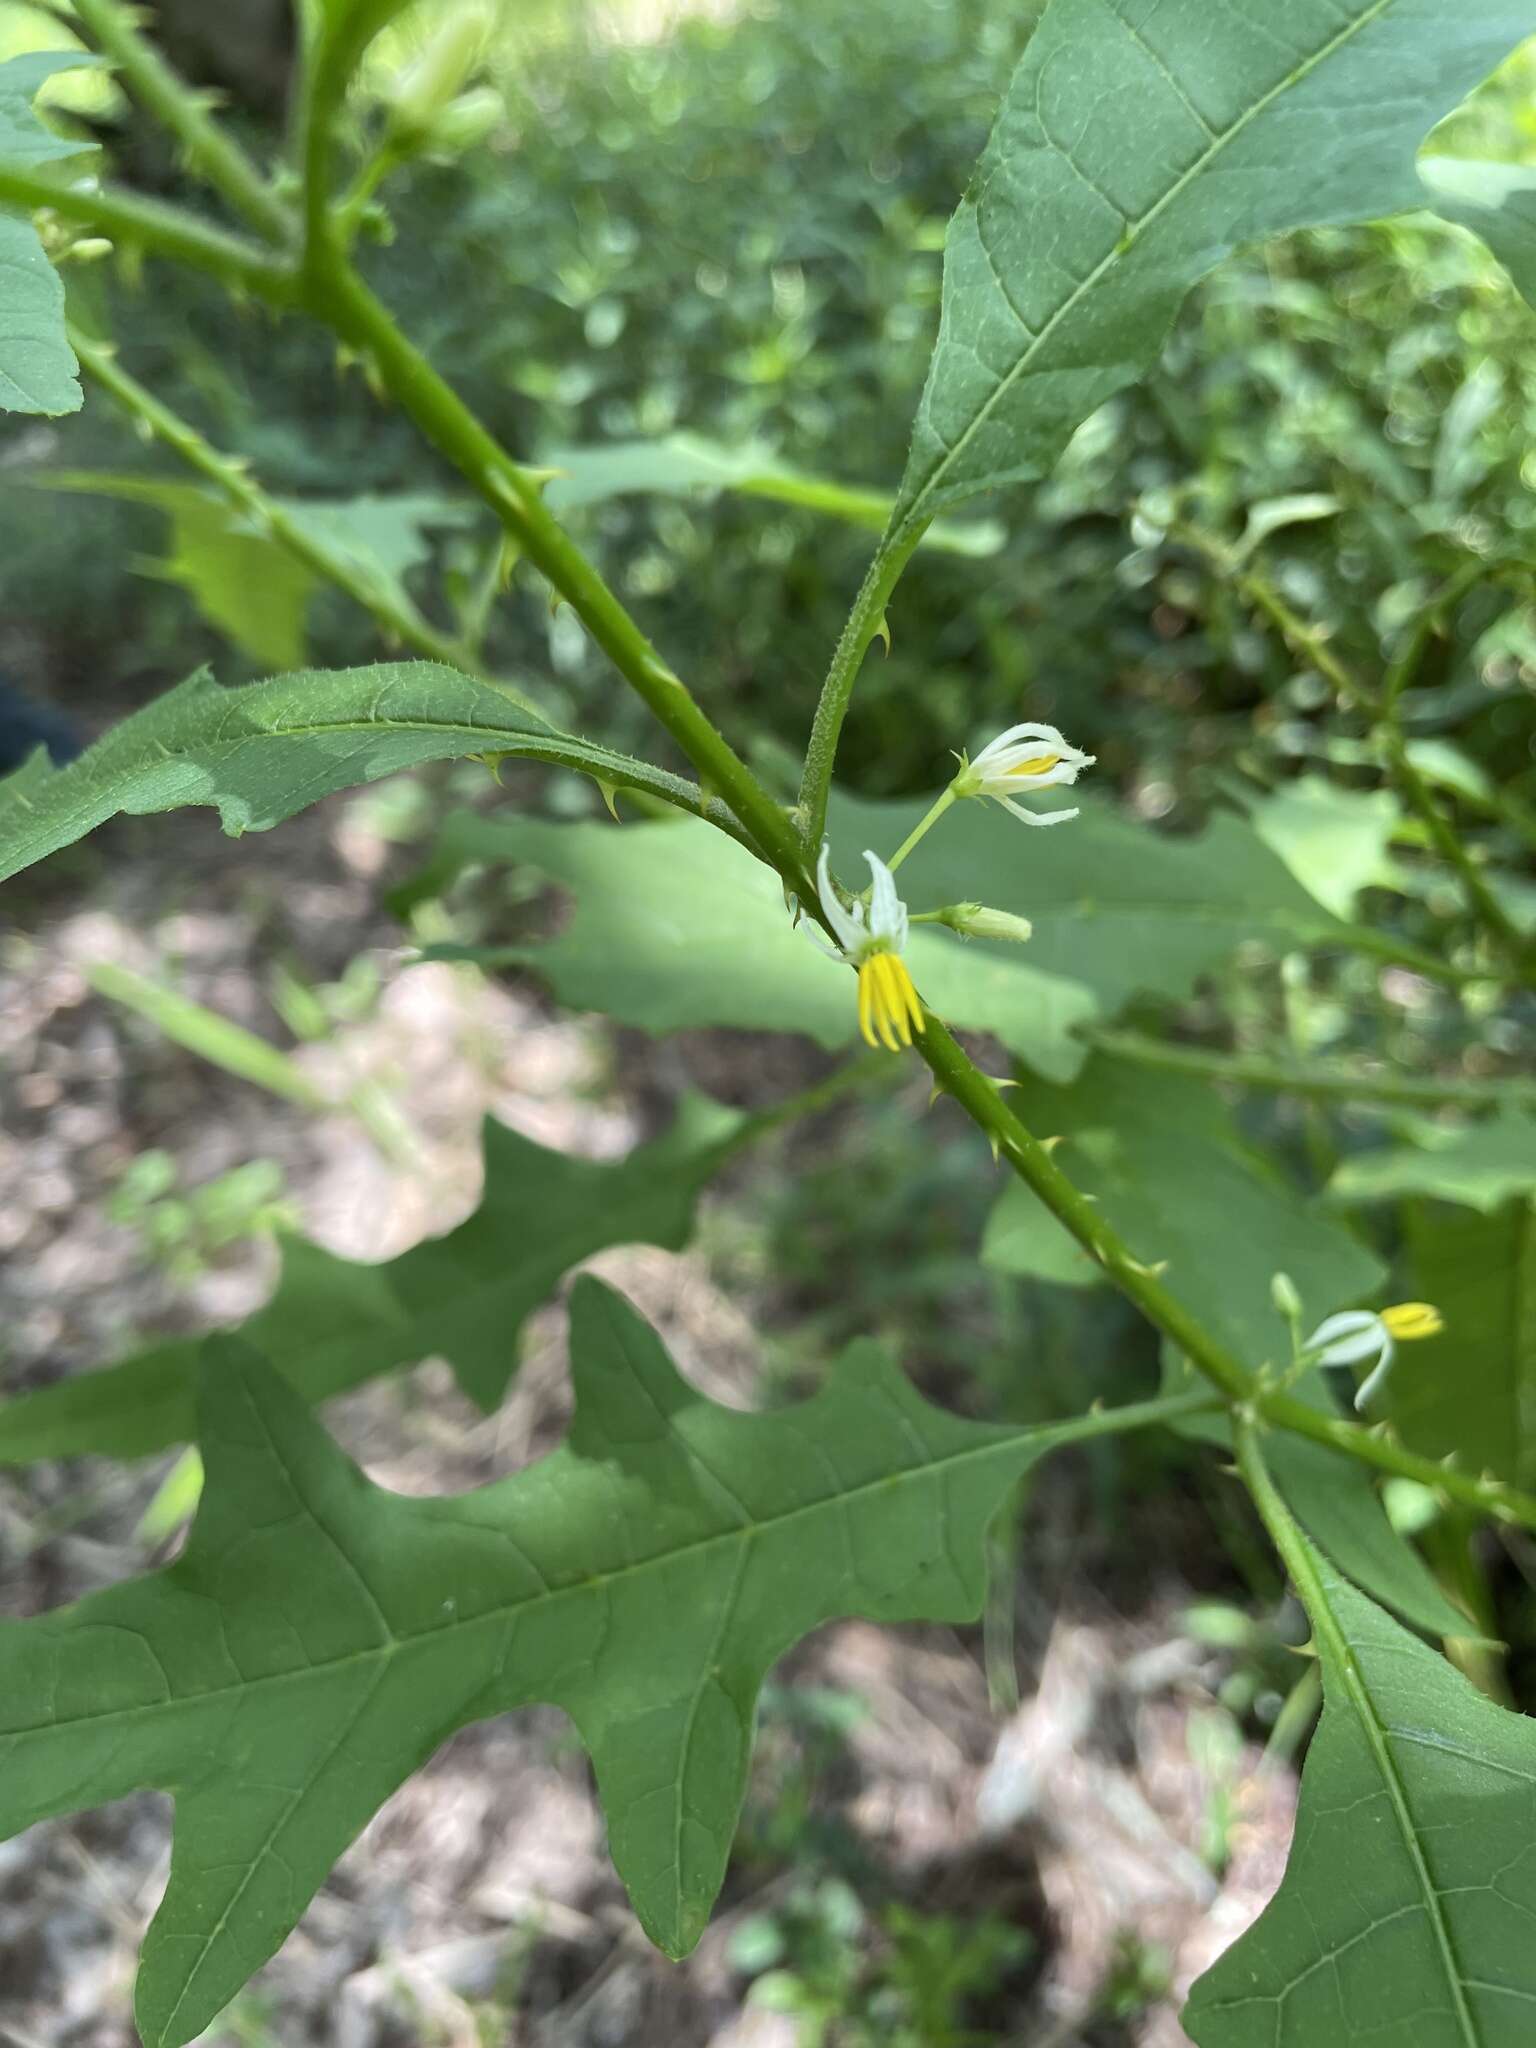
{"x":1357,"y":1334}
{"x":873,"y":940}
{"x":1022,"y":759}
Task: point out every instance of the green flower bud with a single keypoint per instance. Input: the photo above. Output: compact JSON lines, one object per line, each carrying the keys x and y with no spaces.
{"x":466,"y":121}
{"x":976,"y":921}
{"x":425,"y":87}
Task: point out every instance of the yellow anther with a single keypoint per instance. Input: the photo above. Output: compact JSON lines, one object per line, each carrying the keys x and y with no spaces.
{"x":1412,"y":1319}
{"x":889,"y":1011}
{"x":1037,"y":764}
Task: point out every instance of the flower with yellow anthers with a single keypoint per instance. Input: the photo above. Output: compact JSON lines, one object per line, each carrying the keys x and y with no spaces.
{"x":872,"y":939}
{"x":1017,"y":763}
{"x":1358,"y":1334}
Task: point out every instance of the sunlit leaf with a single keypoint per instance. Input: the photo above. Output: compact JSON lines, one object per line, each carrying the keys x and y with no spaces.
{"x":1480,"y":1165}
{"x":320,"y":1637}
{"x":681,"y":463}
{"x":1333,"y":840}
{"x":37,"y":364}
{"x":1495,"y":200}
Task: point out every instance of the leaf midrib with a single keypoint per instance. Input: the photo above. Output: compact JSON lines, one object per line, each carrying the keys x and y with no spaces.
{"x":1376,"y":1733}
{"x":1108,"y":1423}
{"x":1119,"y":248}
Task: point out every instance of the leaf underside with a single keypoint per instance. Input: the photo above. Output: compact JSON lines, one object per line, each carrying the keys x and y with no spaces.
{"x":1139,"y":143}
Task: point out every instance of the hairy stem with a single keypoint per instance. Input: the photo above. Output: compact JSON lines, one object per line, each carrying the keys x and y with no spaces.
{"x":1315,"y":1082}
{"x":209,"y":152}
{"x":395,"y":614}
{"x":157,"y":228}
{"x":1032,"y":1162}
{"x":338,"y":294}
{"x":1310,"y":642}
{"x":864,"y":622}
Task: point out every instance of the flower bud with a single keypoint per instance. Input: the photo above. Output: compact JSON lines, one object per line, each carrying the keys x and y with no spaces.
{"x":976,"y":921}
{"x":466,"y":121}
{"x":426,"y":86}
{"x":1282,"y":1292}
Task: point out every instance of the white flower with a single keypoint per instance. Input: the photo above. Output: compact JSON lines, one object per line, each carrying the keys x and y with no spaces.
{"x":1357,"y":1334}
{"x":1024,"y":758}
{"x":872,"y":940}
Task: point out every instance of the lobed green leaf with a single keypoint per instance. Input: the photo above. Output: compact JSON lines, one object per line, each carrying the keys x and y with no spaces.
{"x":332,"y":1323}
{"x":320,"y":1637}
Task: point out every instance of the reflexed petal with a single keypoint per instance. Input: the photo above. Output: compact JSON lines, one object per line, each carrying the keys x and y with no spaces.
{"x":1378,"y":1373}
{"x":1347,"y":1338}
{"x":847,"y":926}
{"x":1038,"y":817}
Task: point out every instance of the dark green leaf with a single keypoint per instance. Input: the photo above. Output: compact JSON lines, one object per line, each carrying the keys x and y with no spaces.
{"x":1405,"y":1912}
{"x":1472,"y":1390}
{"x":333,"y":1323}
{"x":1140,"y":142}
{"x":1335,"y":1501}
{"x":263,"y":752}
{"x":319,"y":1637}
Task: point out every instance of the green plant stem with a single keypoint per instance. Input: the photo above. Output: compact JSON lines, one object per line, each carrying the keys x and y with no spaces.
{"x":398,"y":617}
{"x":158,"y":229}
{"x":864,"y":622}
{"x":1405,"y":665}
{"x":209,"y":152}
{"x":338,"y":294}
{"x":1032,"y":1162}
{"x":923,"y":825}
{"x":1516,"y":947}
{"x":1320,"y":1083}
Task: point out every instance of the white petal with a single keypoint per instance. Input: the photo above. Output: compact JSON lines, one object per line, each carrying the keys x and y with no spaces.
{"x":1037,"y":817}
{"x":1374,"y":1378}
{"x":1007,"y":742}
{"x":887,"y":912}
{"x":847,"y":928}
{"x":1349,"y":1337}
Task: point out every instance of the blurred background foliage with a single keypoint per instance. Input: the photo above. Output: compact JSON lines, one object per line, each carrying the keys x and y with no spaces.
{"x":726,"y":223}
{"x":732,"y":229}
